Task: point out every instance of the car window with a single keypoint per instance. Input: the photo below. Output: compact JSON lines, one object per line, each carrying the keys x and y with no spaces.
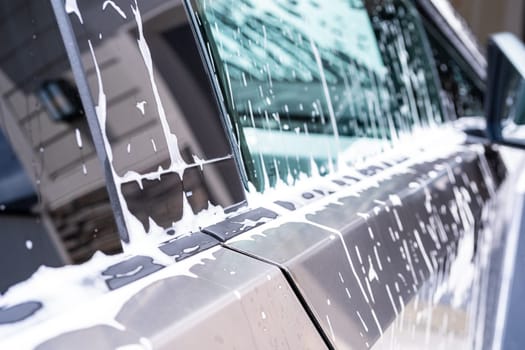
{"x":309,"y":85}
{"x":303,"y":88}
{"x":514,"y":109}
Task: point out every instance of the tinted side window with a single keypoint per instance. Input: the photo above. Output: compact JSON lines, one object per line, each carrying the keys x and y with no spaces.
{"x":462,"y":85}
{"x":309,"y":84}
{"x":412,"y":77}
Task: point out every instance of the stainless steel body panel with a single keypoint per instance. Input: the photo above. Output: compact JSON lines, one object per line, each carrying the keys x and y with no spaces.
{"x":223,"y":301}
{"x":364,"y":264}
{"x":362,"y":256}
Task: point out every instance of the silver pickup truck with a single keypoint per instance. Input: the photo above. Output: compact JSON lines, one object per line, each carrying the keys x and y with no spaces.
{"x":256,"y":174}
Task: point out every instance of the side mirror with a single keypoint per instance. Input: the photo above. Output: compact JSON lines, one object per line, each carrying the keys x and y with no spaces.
{"x":505,"y":96}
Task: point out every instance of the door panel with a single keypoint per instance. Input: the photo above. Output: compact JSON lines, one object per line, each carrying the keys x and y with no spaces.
{"x":361,"y":256}
{"x":215,"y":300}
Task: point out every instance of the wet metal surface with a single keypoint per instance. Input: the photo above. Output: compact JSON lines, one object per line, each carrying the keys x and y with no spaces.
{"x":231,"y":302}
{"x":358,"y":261}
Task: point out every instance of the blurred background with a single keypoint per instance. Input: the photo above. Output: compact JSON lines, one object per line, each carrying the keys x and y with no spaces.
{"x":489,"y":16}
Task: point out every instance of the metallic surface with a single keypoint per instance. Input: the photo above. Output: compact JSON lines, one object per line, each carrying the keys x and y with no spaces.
{"x":358,"y":261}
{"x":228,"y":301}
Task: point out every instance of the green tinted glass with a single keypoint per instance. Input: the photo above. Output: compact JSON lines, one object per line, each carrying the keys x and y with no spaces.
{"x":305,"y":84}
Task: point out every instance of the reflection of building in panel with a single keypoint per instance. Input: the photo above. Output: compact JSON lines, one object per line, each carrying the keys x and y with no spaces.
{"x":59,"y":155}
{"x":160,"y":118}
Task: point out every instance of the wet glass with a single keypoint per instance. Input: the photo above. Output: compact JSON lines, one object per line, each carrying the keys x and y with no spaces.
{"x":308,"y":85}
{"x":466,"y":97}
{"x":412,"y":80}
{"x":463,"y":87}
{"x":54,"y":204}
{"x":169,"y":157}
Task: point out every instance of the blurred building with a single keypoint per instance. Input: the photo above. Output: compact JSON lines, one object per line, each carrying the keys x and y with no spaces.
{"x":489,"y":16}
